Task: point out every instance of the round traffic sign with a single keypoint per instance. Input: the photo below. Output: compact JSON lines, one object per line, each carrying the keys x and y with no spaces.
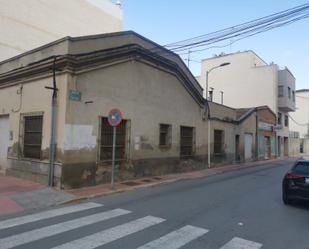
{"x":114,"y":117}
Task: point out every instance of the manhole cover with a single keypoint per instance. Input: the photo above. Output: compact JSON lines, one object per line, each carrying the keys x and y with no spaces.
{"x":131,"y":183}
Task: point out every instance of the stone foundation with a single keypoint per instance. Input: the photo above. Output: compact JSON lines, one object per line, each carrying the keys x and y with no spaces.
{"x":36,"y":171}
{"x":87,"y":174}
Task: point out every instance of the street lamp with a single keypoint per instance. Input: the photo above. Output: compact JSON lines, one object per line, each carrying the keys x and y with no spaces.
{"x":208,"y":116}
{"x":208,"y":72}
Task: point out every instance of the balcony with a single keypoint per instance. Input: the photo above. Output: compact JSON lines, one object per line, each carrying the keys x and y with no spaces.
{"x":286,"y":90}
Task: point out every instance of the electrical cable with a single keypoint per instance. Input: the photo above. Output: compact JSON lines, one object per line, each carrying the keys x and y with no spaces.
{"x":241,"y":31}
{"x":297,"y":122}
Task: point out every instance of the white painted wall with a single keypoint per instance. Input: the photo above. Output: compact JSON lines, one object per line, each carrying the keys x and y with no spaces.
{"x":4,"y":141}
{"x":247,"y":82}
{"x":78,"y":137}
{"x":300,"y":118}
{"x":27,"y":24}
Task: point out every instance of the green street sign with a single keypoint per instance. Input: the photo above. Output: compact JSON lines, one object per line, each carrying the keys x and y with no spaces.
{"x":75,"y":95}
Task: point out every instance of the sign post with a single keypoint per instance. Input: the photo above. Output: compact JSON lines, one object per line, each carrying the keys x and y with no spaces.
{"x":114,"y":119}
{"x":113,"y":157}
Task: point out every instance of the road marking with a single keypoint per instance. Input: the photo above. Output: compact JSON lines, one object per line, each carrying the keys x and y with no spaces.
{"x":111,"y":234}
{"x":239,"y":243}
{"x":48,"y":231}
{"x":47,"y":214}
{"x":176,"y":239}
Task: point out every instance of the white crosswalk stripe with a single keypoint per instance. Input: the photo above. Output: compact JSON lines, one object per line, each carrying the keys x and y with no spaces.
{"x":239,"y":243}
{"x":59,"y":228}
{"x":176,"y":239}
{"x":47,"y":214}
{"x":112,"y":234}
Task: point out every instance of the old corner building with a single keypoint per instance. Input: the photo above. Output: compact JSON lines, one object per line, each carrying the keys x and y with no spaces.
{"x":165,"y":115}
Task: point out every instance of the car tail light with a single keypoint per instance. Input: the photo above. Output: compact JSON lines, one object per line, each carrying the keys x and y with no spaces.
{"x":293,"y":176}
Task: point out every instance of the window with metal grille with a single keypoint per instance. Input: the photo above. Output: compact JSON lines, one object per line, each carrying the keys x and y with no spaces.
{"x":218,"y":141}
{"x":32,"y":136}
{"x":186,"y":141}
{"x":165,"y":135}
{"x":106,"y":145}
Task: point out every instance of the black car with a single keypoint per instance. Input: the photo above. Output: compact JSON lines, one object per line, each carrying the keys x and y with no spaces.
{"x":295,"y":185}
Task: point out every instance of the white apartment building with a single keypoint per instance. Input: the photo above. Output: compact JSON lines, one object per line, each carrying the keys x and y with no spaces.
{"x":299,"y":120}
{"x":249,"y":81}
{"x":28,"y":24}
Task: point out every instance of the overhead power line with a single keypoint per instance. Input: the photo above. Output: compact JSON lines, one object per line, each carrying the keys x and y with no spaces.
{"x":307,"y":124}
{"x":241,"y":31}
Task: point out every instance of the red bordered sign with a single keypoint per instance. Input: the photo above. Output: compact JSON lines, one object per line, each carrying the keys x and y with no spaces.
{"x":114,"y":117}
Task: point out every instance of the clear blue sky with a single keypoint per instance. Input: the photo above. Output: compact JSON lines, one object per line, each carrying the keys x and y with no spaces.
{"x":166,"y":21}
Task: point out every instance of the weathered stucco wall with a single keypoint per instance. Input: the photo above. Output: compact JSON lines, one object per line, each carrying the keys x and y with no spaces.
{"x":295,"y":145}
{"x":248,"y":126}
{"x":147,"y":96}
{"x":31,"y":97}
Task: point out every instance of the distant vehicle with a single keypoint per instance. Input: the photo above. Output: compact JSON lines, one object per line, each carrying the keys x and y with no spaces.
{"x":295,"y":184}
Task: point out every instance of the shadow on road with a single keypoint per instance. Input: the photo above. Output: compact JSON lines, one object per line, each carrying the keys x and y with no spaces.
{"x":301,"y":205}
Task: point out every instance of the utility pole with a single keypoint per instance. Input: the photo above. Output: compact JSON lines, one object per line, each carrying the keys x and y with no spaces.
{"x":52,"y":146}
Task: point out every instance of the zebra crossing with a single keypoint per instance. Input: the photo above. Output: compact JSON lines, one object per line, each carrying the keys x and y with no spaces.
{"x":178,"y":238}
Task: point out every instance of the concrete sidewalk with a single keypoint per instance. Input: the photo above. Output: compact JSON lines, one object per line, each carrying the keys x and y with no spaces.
{"x":19,"y":195}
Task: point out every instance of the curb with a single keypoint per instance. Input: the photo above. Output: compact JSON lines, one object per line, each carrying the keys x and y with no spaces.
{"x":215,"y":171}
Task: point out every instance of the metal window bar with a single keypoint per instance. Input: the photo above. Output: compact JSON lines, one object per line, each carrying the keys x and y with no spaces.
{"x":186,"y":141}
{"x":106,"y":145}
{"x":164,"y":134}
{"x":218,"y":141}
{"x":32,"y":136}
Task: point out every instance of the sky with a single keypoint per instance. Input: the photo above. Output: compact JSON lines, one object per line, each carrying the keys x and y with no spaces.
{"x":167,"y":21}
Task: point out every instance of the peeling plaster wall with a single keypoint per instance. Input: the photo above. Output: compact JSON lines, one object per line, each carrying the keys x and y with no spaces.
{"x":147,"y":96}
{"x":248,"y":126}
{"x":78,"y":137}
{"x":33,"y":98}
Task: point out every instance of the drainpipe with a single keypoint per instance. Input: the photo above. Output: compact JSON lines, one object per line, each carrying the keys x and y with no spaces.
{"x":52,"y":147}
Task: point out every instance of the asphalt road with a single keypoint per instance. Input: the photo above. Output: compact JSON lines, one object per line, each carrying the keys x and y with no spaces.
{"x":234,"y":210}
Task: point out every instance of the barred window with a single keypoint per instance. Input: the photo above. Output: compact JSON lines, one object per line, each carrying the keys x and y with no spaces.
{"x":32,"y":136}
{"x":106,"y":144}
{"x":218,"y":142}
{"x":165,"y":135}
{"x":186,"y":141}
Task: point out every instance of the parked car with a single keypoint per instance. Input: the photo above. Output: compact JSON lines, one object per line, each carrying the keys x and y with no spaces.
{"x":295,"y":184}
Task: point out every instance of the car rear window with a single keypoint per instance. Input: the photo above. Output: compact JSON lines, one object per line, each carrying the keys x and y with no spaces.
{"x":302,"y":167}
